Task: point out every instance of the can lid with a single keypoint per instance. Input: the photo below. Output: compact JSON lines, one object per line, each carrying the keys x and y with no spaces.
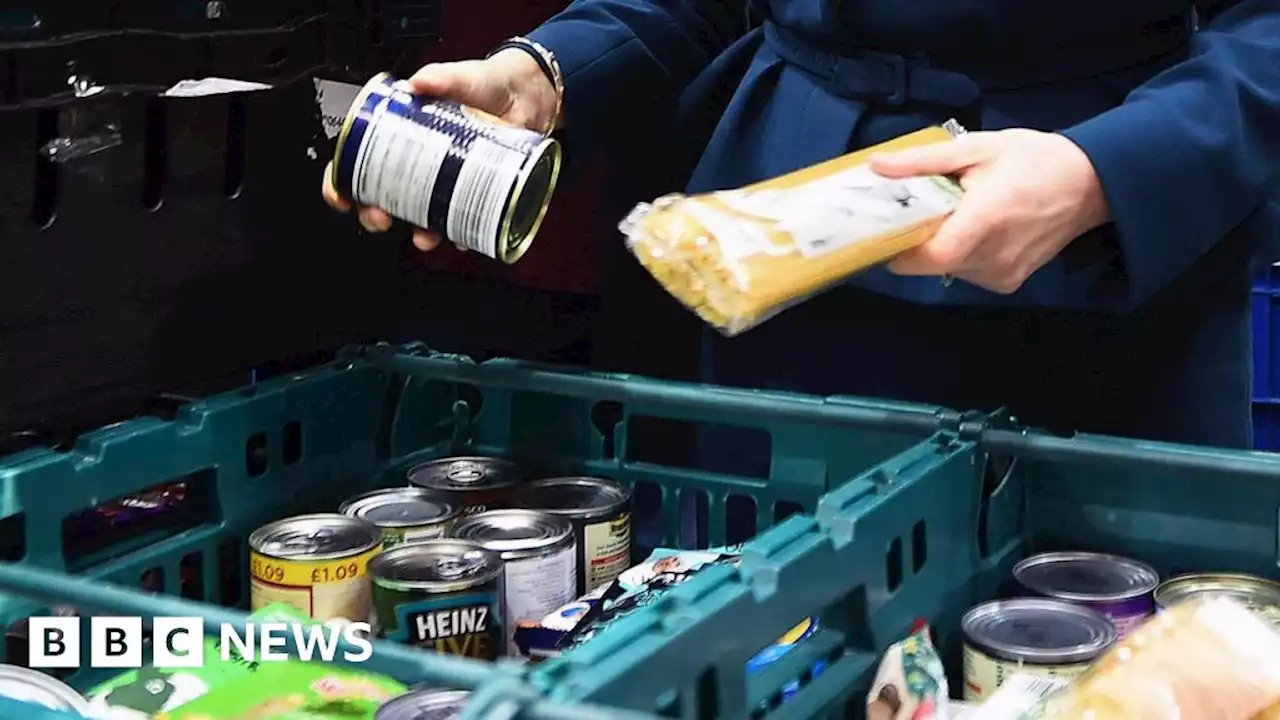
{"x":515,"y":533}
{"x":1259,"y":595}
{"x":36,"y":688}
{"x":435,"y":564}
{"x":465,"y":473}
{"x":425,"y":705}
{"x":1084,"y":577}
{"x":574,"y":496}
{"x":399,"y":507}
{"x":316,"y":537}
{"x":1039,"y":632}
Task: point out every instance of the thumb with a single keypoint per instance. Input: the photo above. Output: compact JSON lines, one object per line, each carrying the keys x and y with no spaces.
{"x":942,"y":158}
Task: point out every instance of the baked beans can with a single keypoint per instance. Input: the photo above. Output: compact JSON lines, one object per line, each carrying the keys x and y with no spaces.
{"x":36,"y":688}
{"x":474,"y":484}
{"x":1030,"y":636}
{"x":403,"y":514}
{"x":425,"y":705}
{"x":1258,"y":595}
{"x":600,"y":511}
{"x":540,"y":561}
{"x":1117,"y":587}
{"x":441,"y":595}
{"x":464,"y":174}
{"x":317,"y":564}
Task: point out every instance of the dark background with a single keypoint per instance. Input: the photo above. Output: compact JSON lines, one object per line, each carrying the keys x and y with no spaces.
{"x":197,"y":255}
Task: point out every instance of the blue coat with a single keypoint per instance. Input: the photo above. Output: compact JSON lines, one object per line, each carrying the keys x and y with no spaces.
{"x":1140,"y":328}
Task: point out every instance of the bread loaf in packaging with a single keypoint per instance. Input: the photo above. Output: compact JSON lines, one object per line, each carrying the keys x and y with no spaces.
{"x":739,"y":257}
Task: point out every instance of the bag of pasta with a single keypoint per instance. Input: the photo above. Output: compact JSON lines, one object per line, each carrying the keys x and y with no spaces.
{"x":739,"y":257}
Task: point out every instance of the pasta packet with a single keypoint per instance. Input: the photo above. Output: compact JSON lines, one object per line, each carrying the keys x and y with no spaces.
{"x":910,"y":683}
{"x":739,"y":257}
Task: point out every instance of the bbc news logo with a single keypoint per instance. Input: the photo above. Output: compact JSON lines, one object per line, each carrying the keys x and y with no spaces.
{"x":179,"y":642}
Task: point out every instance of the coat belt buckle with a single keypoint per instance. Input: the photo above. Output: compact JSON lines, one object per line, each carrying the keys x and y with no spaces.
{"x":897,"y":66}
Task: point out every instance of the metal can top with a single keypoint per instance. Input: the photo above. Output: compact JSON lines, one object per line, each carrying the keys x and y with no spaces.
{"x":404,"y":507}
{"x":1258,"y":595}
{"x":438,"y":565}
{"x":584,"y":498}
{"x":425,"y":705}
{"x":36,"y":688}
{"x":516,"y":533}
{"x":1085,"y":577}
{"x":466,"y":473}
{"x":1038,"y":632}
{"x":323,"y":536}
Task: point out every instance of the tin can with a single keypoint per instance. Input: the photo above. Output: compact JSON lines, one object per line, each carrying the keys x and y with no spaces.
{"x":443,"y":595}
{"x":600,"y":511}
{"x":425,"y":705}
{"x":1260,"y":596}
{"x":36,"y":688}
{"x":540,"y":559}
{"x":474,"y":484}
{"x":318,"y":564}
{"x":1117,"y":587}
{"x":440,"y":166}
{"x":1032,"y":637}
{"x":404,"y":515}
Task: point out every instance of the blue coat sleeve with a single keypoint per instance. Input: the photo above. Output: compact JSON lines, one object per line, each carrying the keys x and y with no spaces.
{"x":1193,"y":152}
{"x":626,"y":61}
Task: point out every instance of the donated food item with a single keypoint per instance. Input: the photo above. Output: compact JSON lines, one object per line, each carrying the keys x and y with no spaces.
{"x":316,"y":563}
{"x":542,"y":638}
{"x":1017,"y":699}
{"x":1259,"y":596}
{"x":738,"y":257}
{"x":911,"y":683}
{"x":600,"y":510}
{"x":36,"y":688}
{"x":474,"y":484}
{"x":1205,"y":660}
{"x":293,"y":691}
{"x":404,"y":514}
{"x":1117,"y":587}
{"x":1030,"y":636}
{"x":425,"y":705}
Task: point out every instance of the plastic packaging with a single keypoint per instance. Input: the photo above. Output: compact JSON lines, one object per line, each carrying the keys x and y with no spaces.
{"x":739,"y":257}
{"x":911,"y":683}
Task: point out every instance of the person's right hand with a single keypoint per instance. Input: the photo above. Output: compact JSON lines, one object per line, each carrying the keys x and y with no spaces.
{"x":509,"y":85}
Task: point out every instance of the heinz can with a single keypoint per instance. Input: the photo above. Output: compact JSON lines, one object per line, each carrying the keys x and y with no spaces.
{"x":441,"y":595}
{"x":425,"y":705}
{"x":36,"y":688}
{"x":440,"y":166}
{"x":318,"y":564}
{"x":540,"y":559}
{"x":1030,"y":637}
{"x":1260,"y":596}
{"x":1117,"y":587}
{"x":404,"y":515}
{"x":474,"y":484}
{"x":600,"y":511}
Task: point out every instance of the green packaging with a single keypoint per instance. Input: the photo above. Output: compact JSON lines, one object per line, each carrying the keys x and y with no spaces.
{"x":294,"y":691}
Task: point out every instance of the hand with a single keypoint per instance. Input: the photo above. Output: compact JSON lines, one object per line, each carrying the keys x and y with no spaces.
{"x":1028,"y":195}
{"x":509,"y":85}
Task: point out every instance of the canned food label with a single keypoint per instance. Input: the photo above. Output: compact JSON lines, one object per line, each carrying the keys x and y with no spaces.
{"x":466,"y":625}
{"x":537,"y":587}
{"x":607,"y":549}
{"x":322,"y":589}
{"x":983,"y":674}
{"x":401,"y":536}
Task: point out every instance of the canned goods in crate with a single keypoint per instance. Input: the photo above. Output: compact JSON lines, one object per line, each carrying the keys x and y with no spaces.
{"x":403,"y":514}
{"x":447,"y":168}
{"x":36,"y":688}
{"x":1260,"y":596}
{"x":540,"y":559}
{"x":316,"y":564}
{"x":1117,"y":587}
{"x":1030,"y":637}
{"x":425,"y":705}
{"x":443,"y":595}
{"x":474,"y":484}
{"x":601,"y":514}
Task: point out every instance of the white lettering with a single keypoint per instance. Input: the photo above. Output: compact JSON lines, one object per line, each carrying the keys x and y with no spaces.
{"x":357,"y":634}
{"x":309,"y":637}
{"x":235,"y":648}
{"x":273,"y":636}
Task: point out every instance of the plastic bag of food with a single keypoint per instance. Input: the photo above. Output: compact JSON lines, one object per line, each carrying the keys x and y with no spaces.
{"x":910,"y":684}
{"x":739,"y":257}
{"x":1207,"y":660}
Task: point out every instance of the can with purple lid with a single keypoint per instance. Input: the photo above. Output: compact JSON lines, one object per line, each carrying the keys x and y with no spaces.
{"x":1117,"y":587}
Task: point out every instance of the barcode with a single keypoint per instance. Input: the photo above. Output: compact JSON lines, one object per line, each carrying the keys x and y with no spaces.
{"x":1039,"y":687}
{"x":480,"y":196}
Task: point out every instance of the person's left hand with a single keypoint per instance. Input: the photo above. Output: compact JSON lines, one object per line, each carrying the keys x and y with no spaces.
{"x":1028,"y":194}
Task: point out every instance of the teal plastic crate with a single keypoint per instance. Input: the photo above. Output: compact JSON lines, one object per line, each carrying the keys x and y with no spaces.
{"x":906,"y":512}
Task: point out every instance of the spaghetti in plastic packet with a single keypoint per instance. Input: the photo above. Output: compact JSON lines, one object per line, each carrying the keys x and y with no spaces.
{"x":739,"y":257}
{"x":1206,"y":660}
